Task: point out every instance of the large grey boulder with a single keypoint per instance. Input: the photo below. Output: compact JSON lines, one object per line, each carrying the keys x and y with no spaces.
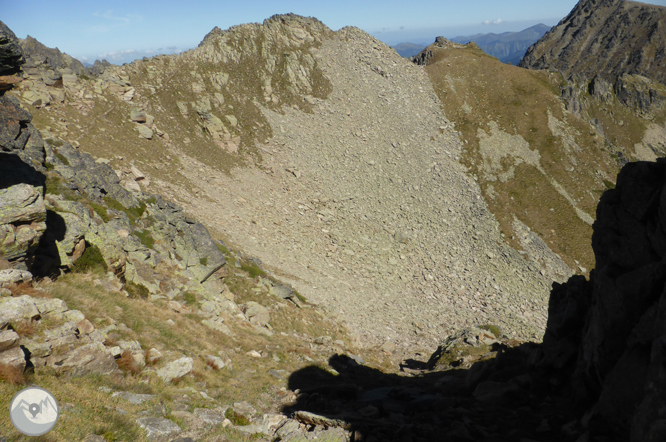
{"x":158,"y":428}
{"x":176,"y":369}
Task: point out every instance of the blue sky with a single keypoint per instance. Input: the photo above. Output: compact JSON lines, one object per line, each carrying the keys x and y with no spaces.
{"x":122,"y":30}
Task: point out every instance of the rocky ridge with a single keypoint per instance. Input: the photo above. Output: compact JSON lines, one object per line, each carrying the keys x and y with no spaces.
{"x":609,"y":45}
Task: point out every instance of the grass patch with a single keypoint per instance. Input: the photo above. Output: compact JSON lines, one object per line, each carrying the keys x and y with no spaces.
{"x":495,"y":330}
{"x":145,"y":237}
{"x":11,"y":375}
{"x":203,"y":261}
{"x":609,"y":185}
{"x":236,"y":418}
{"x":62,"y":158}
{"x":127,"y":363}
{"x":101,"y":211}
{"x":133,"y":213}
{"x":90,"y":261}
{"x":190,"y":298}
{"x":252,"y":269}
{"x":136,"y":291}
{"x":222,"y":248}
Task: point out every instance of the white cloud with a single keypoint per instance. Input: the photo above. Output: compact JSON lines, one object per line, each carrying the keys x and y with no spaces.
{"x":492,"y":22}
{"x":118,"y":55}
{"x":109,"y":22}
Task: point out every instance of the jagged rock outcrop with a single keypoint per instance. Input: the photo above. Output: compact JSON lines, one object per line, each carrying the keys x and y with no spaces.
{"x":22,"y":211}
{"x":610,"y":331}
{"x":39,"y":56}
{"x":10,"y":51}
{"x":618,"y":42}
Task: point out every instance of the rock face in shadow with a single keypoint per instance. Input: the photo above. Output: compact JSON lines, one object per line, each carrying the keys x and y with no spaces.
{"x":10,"y":52}
{"x":612,"y":330}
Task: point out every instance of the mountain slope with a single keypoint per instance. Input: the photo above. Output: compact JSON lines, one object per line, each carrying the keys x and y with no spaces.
{"x":319,"y":153}
{"x":539,"y":166}
{"x":508,"y":47}
{"x":606,"y":38}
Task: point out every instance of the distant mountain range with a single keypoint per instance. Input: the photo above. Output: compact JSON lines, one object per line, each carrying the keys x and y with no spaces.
{"x":408,"y":49}
{"x":508,"y":47}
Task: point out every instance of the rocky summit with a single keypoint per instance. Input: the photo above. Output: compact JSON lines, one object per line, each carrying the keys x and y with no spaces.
{"x":291,"y":233}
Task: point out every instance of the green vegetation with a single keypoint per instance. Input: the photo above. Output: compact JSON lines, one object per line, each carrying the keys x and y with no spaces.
{"x":136,"y":291}
{"x":101,"y":211}
{"x":90,"y":260}
{"x":236,"y":418}
{"x":145,"y":237}
{"x":133,"y":213}
{"x":190,"y":298}
{"x":55,"y":143}
{"x":526,"y":104}
{"x":62,"y":158}
{"x":609,"y":184}
{"x":492,"y":329}
{"x":203,"y":261}
{"x":252,"y":269}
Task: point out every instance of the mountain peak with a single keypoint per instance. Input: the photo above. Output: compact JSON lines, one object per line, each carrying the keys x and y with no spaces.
{"x":607,"y":38}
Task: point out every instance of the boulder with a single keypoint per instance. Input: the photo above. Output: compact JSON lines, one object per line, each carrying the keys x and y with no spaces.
{"x":13,"y":276}
{"x":138,"y":116}
{"x":9,"y":337}
{"x":14,"y":357}
{"x":17,"y":309}
{"x":256,"y":313}
{"x":176,"y":369}
{"x":92,"y":358}
{"x":158,"y":428}
{"x":144,"y":132}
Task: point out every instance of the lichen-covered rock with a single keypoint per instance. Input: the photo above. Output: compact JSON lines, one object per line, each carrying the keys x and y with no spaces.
{"x":175,"y":369}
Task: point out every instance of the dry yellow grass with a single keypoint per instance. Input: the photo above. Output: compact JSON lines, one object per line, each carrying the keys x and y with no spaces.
{"x":477,"y":89}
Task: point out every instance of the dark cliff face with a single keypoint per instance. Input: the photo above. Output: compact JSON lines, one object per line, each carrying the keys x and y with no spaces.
{"x":605,"y":37}
{"x":10,"y":52}
{"x":611,"y":331}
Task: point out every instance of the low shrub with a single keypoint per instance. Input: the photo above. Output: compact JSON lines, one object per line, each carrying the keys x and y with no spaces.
{"x":91,"y":260}
{"x":136,"y":291}
{"x":11,"y":375}
{"x":236,"y":418}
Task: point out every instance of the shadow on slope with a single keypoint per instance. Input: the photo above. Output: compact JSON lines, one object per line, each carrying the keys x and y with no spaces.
{"x":505,"y":399}
{"x":599,"y":375}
